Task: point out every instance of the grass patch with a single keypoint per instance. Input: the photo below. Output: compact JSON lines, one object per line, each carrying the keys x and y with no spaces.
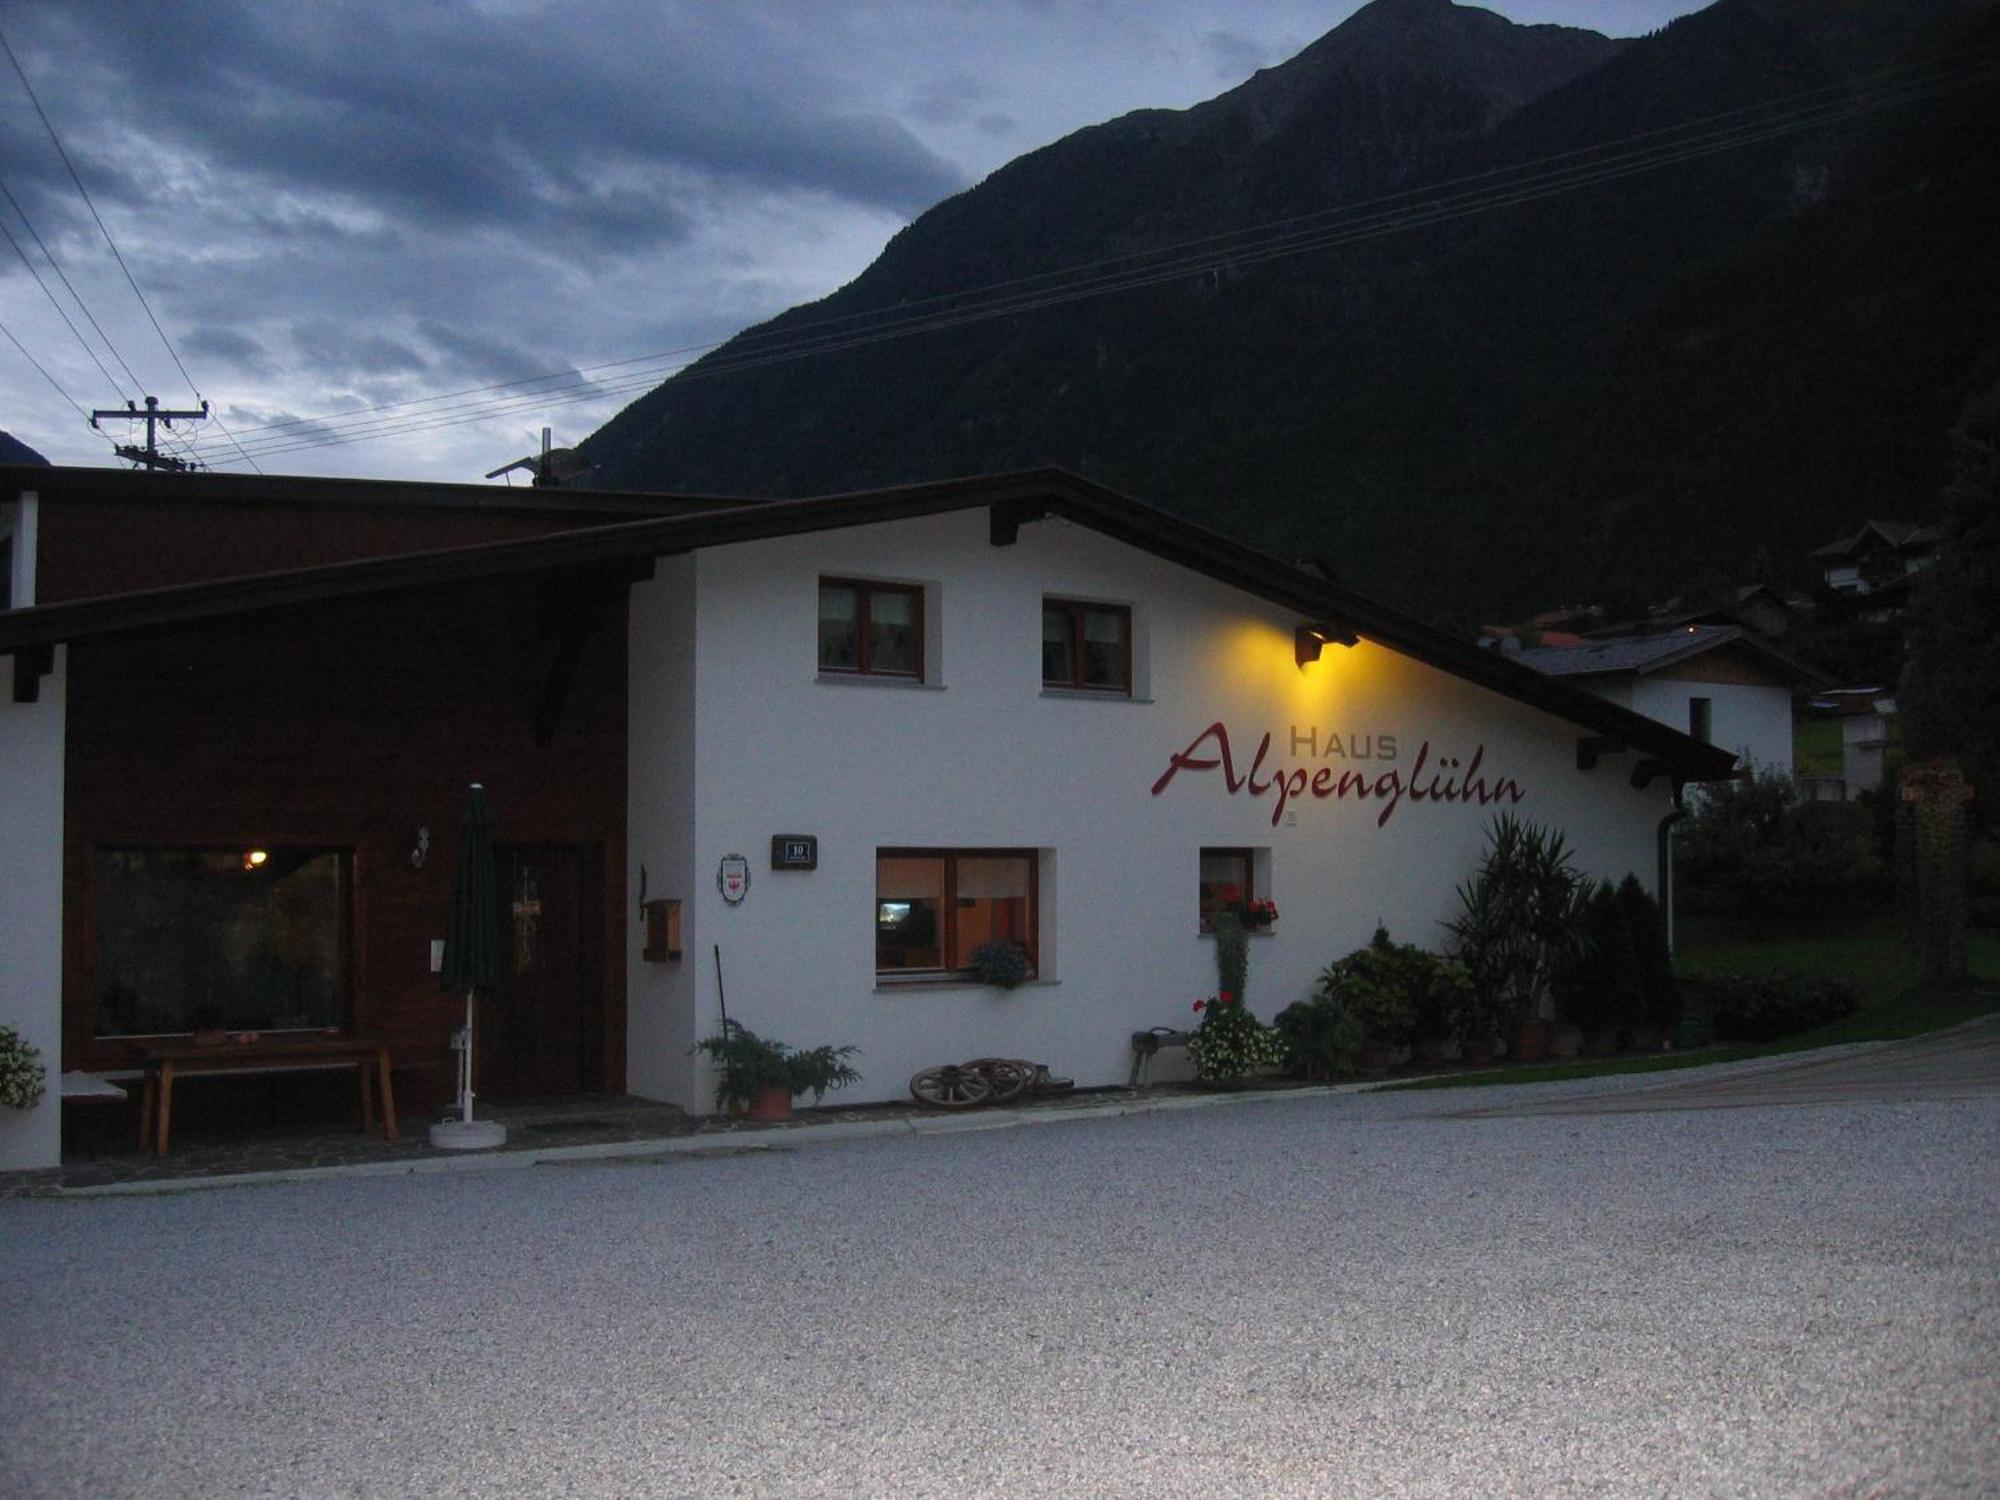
{"x":1896,"y":1003}
{"x":1816,"y":747}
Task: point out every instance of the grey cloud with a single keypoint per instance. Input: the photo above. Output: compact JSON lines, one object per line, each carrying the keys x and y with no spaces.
{"x":949,"y":100}
{"x":334,"y":346}
{"x":998,"y":125}
{"x":1233,"y":57}
{"x":578,"y":127}
{"x":228,"y":344}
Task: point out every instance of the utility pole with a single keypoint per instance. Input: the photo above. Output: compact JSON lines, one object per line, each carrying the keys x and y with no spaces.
{"x":150,"y":456}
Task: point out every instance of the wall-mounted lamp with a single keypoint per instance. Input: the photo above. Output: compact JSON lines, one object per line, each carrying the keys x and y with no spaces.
{"x":1313,"y":635}
{"x":421,"y":850}
{"x":255,"y":859}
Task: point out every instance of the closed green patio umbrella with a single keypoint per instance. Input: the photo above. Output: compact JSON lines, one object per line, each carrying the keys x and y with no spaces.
{"x":471,"y":961}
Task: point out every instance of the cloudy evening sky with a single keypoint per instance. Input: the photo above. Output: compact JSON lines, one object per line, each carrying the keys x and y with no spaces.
{"x":339,"y":207}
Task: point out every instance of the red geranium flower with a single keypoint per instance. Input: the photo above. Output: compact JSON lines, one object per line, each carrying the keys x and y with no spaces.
{"x":1226,"y":998}
{"x":1201,"y":1005}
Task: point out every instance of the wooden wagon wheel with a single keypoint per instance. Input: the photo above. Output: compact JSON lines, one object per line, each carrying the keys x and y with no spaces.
{"x":951,"y":1087}
{"x":1011,"y":1077}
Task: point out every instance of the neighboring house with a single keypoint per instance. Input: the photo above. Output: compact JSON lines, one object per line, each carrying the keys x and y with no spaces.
{"x":832,"y":745}
{"x":1722,"y":684}
{"x":1864,"y":715}
{"x":1879,"y":556}
{"x":1764,"y":609}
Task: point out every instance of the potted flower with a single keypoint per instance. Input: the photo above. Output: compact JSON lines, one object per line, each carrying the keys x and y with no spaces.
{"x":1231,"y":1043}
{"x":1258,"y":916}
{"x":761,"y":1077}
{"x":1001,"y":963}
{"x":23,"y":1079}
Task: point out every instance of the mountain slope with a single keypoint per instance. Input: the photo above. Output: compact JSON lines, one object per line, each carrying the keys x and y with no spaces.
{"x":1648,"y":375}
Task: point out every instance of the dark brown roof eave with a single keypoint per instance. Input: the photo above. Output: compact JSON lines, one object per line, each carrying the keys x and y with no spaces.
{"x":1023,"y":496}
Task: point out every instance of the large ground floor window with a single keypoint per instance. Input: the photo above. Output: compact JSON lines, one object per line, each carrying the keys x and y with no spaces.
{"x":247,"y":940}
{"x":934,"y":907}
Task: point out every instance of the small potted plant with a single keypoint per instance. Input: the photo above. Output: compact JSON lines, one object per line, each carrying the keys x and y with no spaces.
{"x":760,"y":1077}
{"x":1258,"y":916}
{"x":23,"y":1079}
{"x":1001,"y":963}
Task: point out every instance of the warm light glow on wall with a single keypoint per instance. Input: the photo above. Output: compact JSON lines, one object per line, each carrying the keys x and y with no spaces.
{"x":255,"y":858}
{"x":1262,"y":658}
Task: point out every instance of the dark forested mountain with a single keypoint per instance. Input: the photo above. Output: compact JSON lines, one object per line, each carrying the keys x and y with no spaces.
{"x":1727,"y":285}
{"x":14,"y":451}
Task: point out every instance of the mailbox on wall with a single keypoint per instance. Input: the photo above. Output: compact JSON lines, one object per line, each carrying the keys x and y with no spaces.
{"x":663,"y":930}
{"x":794,"y":851}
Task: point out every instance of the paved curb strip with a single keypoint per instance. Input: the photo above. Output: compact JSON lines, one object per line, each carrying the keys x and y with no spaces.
{"x":733,"y":1143}
{"x":721,"y":1143}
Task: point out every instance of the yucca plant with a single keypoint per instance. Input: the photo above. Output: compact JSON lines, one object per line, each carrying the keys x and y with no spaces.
{"x":1520,"y":921}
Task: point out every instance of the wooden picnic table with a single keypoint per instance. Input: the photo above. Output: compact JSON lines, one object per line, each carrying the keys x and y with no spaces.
{"x":263,"y":1052}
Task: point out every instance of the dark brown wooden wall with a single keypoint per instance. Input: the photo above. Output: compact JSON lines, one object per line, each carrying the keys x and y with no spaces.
{"x":109,"y":546}
{"x":350,"y":725}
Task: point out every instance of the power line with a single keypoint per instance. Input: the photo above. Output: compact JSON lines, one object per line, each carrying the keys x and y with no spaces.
{"x":56,"y":266}
{"x":44,"y":373}
{"x":61,"y":312}
{"x":1324,"y":229}
{"x":104,"y":229}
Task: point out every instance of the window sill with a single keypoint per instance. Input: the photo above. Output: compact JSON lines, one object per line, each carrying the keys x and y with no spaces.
{"x":891,"y":984}
{"x":1247,"y":932}
{"x":876,"y":680}
{"x":1092,"y":695}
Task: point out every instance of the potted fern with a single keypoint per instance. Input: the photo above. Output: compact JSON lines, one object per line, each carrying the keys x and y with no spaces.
{"x":759,"y":1077}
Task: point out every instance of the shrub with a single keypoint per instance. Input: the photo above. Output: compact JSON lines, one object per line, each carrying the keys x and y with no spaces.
{"x":1769,"y":1007}
{"x":1320,"y":1039}
{"x":1385,"y":991}
{"x":1602,"y":987}
{"x":1754,"y":850}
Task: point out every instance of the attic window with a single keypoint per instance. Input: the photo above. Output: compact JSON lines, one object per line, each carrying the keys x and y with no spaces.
{"x":1086,"y":647}
{"x":871,"y":629}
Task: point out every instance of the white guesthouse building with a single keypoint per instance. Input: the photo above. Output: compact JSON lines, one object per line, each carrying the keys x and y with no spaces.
{"x":860,"y":735}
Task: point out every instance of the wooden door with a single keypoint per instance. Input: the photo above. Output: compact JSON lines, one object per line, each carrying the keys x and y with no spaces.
{"x":545,"y":1025}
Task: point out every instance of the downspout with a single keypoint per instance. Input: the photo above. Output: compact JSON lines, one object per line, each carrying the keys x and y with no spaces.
{"x":1665,"y":839}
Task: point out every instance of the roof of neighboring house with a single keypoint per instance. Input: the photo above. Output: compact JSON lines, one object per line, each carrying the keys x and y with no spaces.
{"x":1011,"y":500}
{"x":1900,"y":535}
{"x":1643,"y":655}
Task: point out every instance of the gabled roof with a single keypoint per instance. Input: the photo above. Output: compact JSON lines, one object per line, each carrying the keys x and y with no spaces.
{"x":1643,"y":655}
{"x":1012,"y":500}
{"x":1899,"y":535}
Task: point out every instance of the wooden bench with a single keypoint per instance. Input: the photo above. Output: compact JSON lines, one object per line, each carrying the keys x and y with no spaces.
{"x":167,"y":1060}
{"x":1146,"y":1046}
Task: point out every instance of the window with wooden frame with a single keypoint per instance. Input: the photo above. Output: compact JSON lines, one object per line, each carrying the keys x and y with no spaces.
{"x":869,"y":629}
{"x":934,"y":907}
{"x":1228,"y":883}
{"x":194,"y":939}
{"x":1086,"y":647}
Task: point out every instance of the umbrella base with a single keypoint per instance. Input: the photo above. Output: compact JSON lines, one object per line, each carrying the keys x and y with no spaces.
{"x":468,"y":1135}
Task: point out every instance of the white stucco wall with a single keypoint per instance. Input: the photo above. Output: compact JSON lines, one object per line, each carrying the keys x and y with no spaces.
{"x":1755,"y":722}
{"x":982,"y":757}
{"x":31,"y":825}
{"x":660,"y":805}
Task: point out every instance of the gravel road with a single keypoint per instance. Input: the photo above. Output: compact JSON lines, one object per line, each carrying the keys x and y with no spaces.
{"x":1351,"y":1295}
